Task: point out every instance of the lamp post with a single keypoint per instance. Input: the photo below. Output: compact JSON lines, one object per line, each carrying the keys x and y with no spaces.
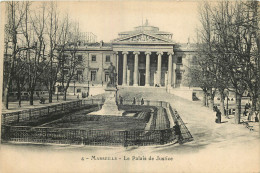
{"x":226,"y":94}
{"x":74,"y":87}
{"x":58,"y":92}
{"x":88,"y":89}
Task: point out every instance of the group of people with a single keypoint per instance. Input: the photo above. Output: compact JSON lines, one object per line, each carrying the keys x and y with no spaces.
{"x":251,"y":115}
{"x":134,"y":101}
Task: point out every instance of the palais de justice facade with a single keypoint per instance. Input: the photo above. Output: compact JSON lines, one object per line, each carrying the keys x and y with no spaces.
{"x":145,"y":56}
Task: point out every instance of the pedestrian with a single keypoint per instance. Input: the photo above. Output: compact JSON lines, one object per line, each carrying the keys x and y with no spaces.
{"x":121,"y":100}
{"x":134,"y":101}
{"x":177,"y":131}
{"x":142,"y":101}
{"x":256,"y":116}
{"x":249,"y":118}
{"x":218,"y":116}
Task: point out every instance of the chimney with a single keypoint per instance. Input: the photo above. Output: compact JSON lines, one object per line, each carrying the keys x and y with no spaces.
{"x":101,"y":43}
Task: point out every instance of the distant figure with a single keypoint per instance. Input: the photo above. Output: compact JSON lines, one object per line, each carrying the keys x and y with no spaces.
{"x":142,"y":101}
{"x":177,"y":131}
{"x":245,"y":113}
{"x":134,"y":101}
{"x":78,"y":96}
{"x":256,"y":114}
{"x":42,"y":100}
{"x":121,"y":100}
{"x":218,"y":116}
{"x":249,"y":118}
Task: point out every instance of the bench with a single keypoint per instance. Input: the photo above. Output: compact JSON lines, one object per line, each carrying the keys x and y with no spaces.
{"x":247,"y":125}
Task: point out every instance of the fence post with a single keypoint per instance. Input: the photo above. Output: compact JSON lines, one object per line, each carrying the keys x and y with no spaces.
{"x":161,"y":137}
{"x":46,"y":134}
{"x":48,"y":110}
{"x":6,"y":132}
{"x":30,"y":112}
{"x":4,"y":115}
{"x":18,"y":118}
{"x":125,"y":138}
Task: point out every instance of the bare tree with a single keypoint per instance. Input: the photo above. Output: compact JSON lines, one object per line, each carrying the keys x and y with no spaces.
{"x":70,"y":60}
{"x":14,"y":18}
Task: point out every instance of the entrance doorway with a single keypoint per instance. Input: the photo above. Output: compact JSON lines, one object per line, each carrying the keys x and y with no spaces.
{"x":142,"y":77}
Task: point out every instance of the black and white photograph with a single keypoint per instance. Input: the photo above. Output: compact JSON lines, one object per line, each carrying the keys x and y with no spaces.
{"x":130,"y":86}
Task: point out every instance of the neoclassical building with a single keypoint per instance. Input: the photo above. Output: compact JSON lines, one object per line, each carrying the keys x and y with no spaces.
{"x":145,"y":56}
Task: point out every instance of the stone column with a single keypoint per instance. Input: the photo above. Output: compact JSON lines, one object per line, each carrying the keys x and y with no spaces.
{"x":159,"y":68}
{"x":136,"y":69}
{"x":117,"y":59}
{"x":147,"y":69}
{"x":124,"y":68}
{"x":170,"y":69}
{"x":174,"y":71}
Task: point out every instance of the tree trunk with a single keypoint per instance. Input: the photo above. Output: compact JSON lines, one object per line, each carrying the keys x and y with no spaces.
{"x":19,"y":92}
{"x":238,"y":108}
{"x":6,"y":97}
{"x":204,"y":100}
{"x":50,"y":95}
{"x":31,"y":97}
{"x":254,"y":100}
{"x":211,"y":99}
{"x":222,"y":105}
{"x":65,"y":95}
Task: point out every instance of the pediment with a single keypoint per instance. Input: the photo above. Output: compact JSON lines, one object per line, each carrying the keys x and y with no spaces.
{"x":142,"y":38}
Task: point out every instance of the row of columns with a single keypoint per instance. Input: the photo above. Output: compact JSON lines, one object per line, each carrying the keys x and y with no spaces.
{"x":147,"y":69}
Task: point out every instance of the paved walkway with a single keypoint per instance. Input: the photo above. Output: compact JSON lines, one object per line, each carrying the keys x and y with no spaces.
{"x":224,"y":147}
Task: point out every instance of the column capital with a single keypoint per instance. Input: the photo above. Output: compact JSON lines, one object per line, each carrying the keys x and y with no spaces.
{"x":148,"y":52}
{"x":116,"y":53}
{"x":159,"y":53}
{"x":125,"y":52}
{"x":136,"y":52}
{"x":170,"y":53}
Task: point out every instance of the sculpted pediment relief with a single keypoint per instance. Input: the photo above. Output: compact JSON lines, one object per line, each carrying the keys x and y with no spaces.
{"x":142,"y":38}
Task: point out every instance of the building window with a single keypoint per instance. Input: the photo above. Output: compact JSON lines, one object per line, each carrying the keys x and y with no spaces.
{"x":107,"y":58}
{"x":59,"y":88}
{"x":93,"y":58}
{"x":179,"y":60}
{"x":65,"y":72}
{"x":179,"y":76}
{"x":194,"y":60}
{"x":79,"y":74}
{"x":78,"y":90}
{"x":80,"y":59}
{"x":106,"y":77}
{"x":66,"y":59}
{"x":93,"y":75}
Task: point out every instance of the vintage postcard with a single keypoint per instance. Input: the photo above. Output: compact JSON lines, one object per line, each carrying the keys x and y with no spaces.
{"x":130,"y":86}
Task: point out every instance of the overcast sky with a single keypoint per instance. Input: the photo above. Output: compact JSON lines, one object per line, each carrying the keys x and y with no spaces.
{"x":105,"y":19}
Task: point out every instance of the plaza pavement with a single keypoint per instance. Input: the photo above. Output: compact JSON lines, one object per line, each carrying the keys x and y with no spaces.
{"x":224,"y":147}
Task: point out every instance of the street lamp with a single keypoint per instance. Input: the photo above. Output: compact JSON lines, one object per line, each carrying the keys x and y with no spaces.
{"x":88,"y":89}
{"x":74,"y":87}
{"x":58,"y":92}
{"x":226,"y":94}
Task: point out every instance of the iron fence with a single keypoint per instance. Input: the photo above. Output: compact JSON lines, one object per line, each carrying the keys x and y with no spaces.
{"x":87,"y":137}
{"x":25,"y":115}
